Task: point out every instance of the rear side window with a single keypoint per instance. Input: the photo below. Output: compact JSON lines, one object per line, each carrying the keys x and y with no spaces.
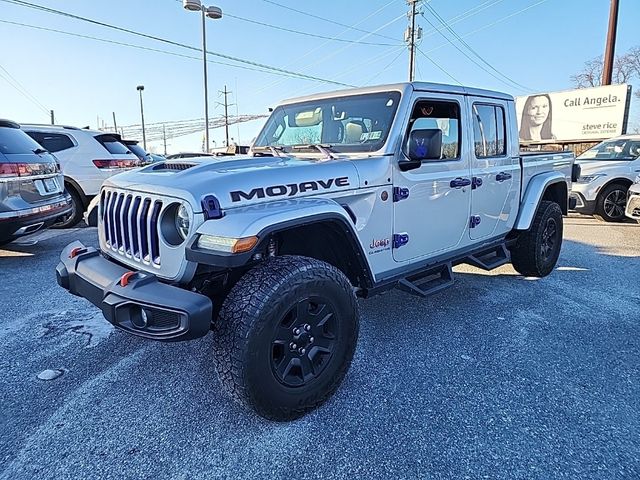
{"x":489,"y":131}
{"x":53,"y":142}
{"x":15,"y":141}
{"x":112,"y":144}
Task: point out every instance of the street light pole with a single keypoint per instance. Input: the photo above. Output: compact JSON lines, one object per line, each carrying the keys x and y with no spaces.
{"x":206,"y":88}
{"x":213,"y":13}
{"x":140,"y":88}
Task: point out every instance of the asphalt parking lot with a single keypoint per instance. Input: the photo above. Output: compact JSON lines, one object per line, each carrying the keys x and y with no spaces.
{"x":499,"y":377}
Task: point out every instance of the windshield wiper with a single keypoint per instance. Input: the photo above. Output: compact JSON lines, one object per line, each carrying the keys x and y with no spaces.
{"x":274,"y":149}
{"x":38,"y":151}
{"x":321,"y":147}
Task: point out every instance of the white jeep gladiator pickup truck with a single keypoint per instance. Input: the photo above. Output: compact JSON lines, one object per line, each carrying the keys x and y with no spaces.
{"x":344,"y":195}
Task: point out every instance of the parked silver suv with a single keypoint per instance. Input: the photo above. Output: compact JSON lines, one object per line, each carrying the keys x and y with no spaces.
{"x":31,"y":186}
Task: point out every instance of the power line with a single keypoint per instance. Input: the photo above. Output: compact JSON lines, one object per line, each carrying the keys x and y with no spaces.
{"x":308,"y":34}
{"x":438,"y":66}
{"x":140,"y":47}
{"x":489,"y":25}
{"x":317,"y":17}
{"x":309,"y":52}
{"x":465,"y":44}
{"x":11,"y":80}
{"x":508,"y":82}
{"x":170,"y":42}
{"x":380,"y":72}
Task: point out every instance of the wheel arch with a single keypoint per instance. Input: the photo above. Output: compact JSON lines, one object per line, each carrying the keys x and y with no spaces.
{"x":318,"y":228}
{"x":551,"y":186}
{"x":622,"y":180}
{"x":78,"y":189}
{"x":329,"y":238}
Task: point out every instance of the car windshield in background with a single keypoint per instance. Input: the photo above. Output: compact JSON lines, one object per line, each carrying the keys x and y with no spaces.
{"x":15,"y":141}
{"x":358,"y":123}
{"x":614,"y":150}
{"x":138,"y":151}
{"x":113,"y":145}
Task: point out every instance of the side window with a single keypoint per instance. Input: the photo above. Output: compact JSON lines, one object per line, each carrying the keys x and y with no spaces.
{"x":444,"y":116}
{"x":489,"y":131}
{"x":52,"y":142}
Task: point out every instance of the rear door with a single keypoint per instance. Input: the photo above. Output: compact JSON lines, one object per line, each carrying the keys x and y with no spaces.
{"x":495,"y":170}
{"x":431,"y":204}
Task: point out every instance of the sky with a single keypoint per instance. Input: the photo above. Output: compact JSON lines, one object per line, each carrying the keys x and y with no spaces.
{"x":538,"y":44}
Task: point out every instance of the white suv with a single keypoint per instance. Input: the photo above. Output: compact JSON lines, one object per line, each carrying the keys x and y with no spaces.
{"x":87,"y":158}
{"x":607,"y":172}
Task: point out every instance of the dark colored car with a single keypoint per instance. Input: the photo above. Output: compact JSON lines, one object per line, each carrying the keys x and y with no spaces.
{"x":177,"y":156}
{"x":32,"y":193}
{"x":139,"y":152}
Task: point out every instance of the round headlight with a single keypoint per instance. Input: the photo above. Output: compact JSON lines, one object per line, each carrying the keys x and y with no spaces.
{"x":183,"y":220}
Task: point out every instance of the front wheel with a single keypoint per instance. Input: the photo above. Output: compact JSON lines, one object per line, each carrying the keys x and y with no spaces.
{"x":285,"y":336}
{"x":611,"y":203}
{"x":536,"y":251}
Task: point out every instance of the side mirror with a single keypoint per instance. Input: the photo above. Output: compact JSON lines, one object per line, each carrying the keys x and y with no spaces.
{"x":422,"y":145}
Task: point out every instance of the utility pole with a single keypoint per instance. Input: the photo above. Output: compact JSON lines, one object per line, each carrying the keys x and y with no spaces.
{"x":53,"y":118}
{"x":610,"y":49}
{"x":115,"y":125}
{"x":226,"y":105}
{"x":164,"y":136}
{"x":411,"y":35}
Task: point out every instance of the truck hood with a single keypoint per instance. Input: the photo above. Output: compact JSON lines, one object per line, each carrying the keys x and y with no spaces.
{"x":241,"y":181}
{"x":590,"y":167}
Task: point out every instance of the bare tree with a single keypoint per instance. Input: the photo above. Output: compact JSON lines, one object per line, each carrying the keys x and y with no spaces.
{"x":625,"y":68}
{"x":591,"y":74}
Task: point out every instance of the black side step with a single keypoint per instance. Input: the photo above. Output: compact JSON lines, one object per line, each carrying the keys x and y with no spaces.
{"x":428,"y":282}
{"x":490,"y":259}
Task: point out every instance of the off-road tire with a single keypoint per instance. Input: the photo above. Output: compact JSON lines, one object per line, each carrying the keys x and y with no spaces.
{"x":259,"y":305}
{"x":76,"y":214}
{"x":615,"y":193}
{"x":529,"y":256}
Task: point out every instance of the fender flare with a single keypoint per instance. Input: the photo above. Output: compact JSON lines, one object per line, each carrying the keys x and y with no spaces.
{"x":533,"y":195}
{"x":266,"y":219}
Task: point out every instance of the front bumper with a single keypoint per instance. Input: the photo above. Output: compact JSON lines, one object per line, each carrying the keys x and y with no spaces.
{"x":142,"y":305}
{"x":633,"y":206}
{"x":582,"y":205}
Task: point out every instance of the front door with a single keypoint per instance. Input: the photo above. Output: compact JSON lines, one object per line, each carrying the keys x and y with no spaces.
{"x":495,"y":168}
{"x":431,"y":203}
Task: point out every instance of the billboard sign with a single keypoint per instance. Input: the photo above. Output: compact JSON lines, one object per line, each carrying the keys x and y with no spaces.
{"x":583,"y":115}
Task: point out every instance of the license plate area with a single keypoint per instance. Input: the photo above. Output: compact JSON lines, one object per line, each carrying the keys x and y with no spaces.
{"x":48,"y":186}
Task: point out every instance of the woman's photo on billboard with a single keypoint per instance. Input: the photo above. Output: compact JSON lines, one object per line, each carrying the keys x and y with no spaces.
{"x":537,"y":116}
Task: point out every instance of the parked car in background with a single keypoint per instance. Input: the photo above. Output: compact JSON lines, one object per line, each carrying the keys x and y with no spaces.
{"x":633,"y":201}
{"x":87,"y":158}
{"x":177,"y":156}
{"x":31,"y":186}
{"x":138,"y":151}
{"x":607,"y":172}
{"x":155,"y":158}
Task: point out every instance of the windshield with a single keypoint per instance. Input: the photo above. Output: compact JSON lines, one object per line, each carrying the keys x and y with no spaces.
{"x":619,"y":149}
{"x":357,"y":123}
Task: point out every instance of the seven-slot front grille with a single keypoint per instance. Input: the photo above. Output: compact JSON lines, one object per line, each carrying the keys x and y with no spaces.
{"x":130,"y":222}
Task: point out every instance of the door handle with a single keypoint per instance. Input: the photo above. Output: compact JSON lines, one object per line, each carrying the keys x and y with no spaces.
{"x":502,"y":176}
{"x":460,"y":182}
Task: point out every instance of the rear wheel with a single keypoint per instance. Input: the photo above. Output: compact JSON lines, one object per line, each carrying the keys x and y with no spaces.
{"x":75,"y":216}
{"x":536,"y":251}
{"x":611,"y":203}
{"x":285,"y":336}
